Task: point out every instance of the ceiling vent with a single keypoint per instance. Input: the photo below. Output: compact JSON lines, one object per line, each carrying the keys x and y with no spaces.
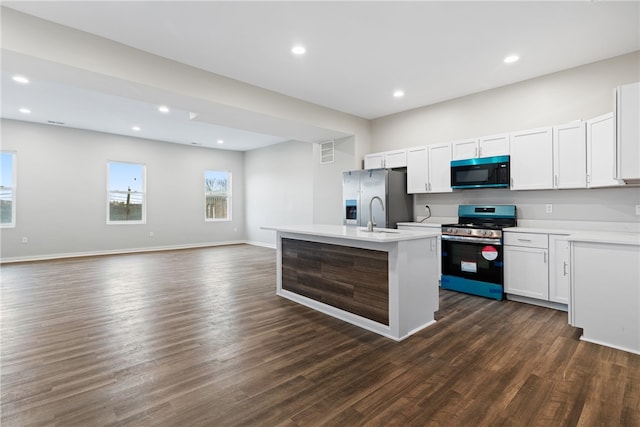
{"x":326,"y":152}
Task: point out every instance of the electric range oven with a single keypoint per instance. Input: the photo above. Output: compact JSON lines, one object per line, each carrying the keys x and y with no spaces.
{"x":472,"y":251}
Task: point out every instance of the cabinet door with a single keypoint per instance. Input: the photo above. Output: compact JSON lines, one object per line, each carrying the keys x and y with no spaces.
{"x":526,"y":272}
{"x":374,"y":161}
{"x":395,"y":159}
{"x":600,"y":151}
{"x":559,"y":279}
{"x":628,"y":131}
{"x":439,"y":168}
{"x":570,"y":156}
{"x":464,"y":149}
{"x":532,"y":159}
{"x":493,"y":145}
{"x":417,"y":170}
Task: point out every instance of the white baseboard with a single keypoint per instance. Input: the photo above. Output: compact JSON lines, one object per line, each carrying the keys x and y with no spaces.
{"x":120,"y":251}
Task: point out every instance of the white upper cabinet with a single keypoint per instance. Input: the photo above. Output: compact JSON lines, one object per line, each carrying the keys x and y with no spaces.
{"x":464,"y":149}
{"x":439,"y":168}
{"x":493,"y":145}
{"x":387,"y":159}
{"x":417,"y":170}
{"x":600,"y":151}
{"x":374,"y":161}
{"x":628,"y":132}
{"x":429,"y":169}
{"x":487,"y":146}
{"x":395,"y":159}
{"x":570,"y":155}
{"x":531,"y":159}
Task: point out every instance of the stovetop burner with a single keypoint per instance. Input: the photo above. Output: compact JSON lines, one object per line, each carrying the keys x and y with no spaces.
{"x":486,"y":222}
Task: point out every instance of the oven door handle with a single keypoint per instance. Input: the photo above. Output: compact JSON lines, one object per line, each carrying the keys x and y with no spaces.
{"x":466,"y":239}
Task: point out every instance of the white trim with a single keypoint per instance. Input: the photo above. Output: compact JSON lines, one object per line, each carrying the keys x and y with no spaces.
{"x":118,"y":251}
{"x":262,"y":244}
{"x":606,"y":344}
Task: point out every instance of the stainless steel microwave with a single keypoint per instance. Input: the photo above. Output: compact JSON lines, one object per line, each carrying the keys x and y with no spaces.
{"x":483,"y":172}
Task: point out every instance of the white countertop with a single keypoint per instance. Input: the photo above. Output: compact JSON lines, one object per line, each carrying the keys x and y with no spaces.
{"x":614,"y":237}
{"x":380,"y":235}
{"x":605,"y":237}
{"x":421,"y":224}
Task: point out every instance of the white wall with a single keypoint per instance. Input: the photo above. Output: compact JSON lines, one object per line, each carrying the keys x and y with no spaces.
{"x":327,"y":182}
{"x":61,"y":193}
{"x":579,"y":93}
{"x":278,"y":189}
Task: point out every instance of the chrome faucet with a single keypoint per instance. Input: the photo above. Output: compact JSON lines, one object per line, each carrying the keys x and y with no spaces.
{"x":370,"y":223}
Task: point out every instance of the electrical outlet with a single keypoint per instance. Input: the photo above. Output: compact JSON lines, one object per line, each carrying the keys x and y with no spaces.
{"x":151,"y":234}
{"x":637,"y":209}
{"x":25,"y":240}
{"x":549,"y":208}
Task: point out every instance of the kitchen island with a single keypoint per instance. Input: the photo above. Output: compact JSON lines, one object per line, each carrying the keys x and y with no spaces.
{"x":605,"y":288}
{"x":385,"y":281}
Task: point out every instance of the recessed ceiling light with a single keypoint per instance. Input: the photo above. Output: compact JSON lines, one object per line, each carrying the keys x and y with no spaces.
{"x":220,"y":141}
{"x":398,"y":94}
{"x":298,"y":50}
{"x":25,"y":111}
{"x":163,"y":109}
{"x":20,"y":79}
{"x":511,"y":59}
{"x":136,"y":128}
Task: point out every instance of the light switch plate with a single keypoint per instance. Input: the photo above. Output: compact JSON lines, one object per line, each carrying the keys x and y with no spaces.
{"x":549,"y":208}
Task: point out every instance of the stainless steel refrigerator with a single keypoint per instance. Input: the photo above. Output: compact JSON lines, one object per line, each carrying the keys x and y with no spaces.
{"x":360,"y":186}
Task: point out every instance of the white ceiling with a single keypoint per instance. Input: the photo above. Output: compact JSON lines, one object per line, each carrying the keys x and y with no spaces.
{"x":358,"y":53}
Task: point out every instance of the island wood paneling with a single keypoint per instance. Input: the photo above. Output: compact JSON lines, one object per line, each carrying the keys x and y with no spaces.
{"x":348,"y":278}
{"x":199,"y":337}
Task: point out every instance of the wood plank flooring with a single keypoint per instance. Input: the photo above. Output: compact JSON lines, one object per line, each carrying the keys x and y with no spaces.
{"x":199,"y":338}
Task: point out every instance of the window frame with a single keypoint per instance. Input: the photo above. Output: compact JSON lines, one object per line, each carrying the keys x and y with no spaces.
{"x":143,"y":194}
{"x":229,"y":196}
{"x":13,"y":188}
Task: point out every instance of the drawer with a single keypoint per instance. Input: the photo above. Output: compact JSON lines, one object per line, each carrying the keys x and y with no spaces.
{"x":529,"y":240}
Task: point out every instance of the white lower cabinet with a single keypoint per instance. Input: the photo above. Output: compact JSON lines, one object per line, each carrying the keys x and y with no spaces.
{"x":526,"y":266}
{"x":605,"y":293}
{"x":559,"y":279}
{"x":536,"y":268}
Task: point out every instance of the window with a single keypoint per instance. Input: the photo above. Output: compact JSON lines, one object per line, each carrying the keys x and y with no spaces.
{"x":7,"y":189}
{"x":217,"y":196}
{"x":126,"y":193}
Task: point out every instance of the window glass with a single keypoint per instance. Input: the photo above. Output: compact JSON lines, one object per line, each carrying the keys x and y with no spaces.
{"x":126,"y":193}
{"x":7,"y":189}
{"x":217,"y":194}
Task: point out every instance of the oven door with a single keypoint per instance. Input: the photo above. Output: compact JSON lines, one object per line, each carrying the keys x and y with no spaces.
{"x":473,"y":266}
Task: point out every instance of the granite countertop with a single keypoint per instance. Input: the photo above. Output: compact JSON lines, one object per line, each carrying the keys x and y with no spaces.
{"x":379,"y":235}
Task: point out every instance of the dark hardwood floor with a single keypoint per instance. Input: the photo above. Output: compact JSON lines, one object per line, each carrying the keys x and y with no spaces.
{"x":199,"y":338}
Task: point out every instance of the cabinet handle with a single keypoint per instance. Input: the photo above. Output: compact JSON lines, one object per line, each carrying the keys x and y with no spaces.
{"x":477,"y":152}
{"x":524,"y":240}
{"x":545,"y":257}
{"x":564,"y":268}
{"x":426,"y":186}
{"x":555,"y":180}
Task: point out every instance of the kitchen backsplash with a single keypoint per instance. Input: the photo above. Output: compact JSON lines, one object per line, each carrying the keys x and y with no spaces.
{"x":616,"y":205}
